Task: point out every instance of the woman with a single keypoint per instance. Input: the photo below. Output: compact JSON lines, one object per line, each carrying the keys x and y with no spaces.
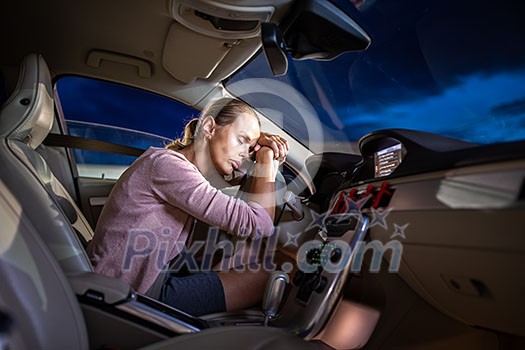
{"x":152,"y":207}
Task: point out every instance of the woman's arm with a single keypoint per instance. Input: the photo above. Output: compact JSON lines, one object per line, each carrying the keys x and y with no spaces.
{"x":271,"y":151}
{"x":179,"y":183}
{"x":262,"y":188}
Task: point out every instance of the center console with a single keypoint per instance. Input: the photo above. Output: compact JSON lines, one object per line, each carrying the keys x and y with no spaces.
{"x":323,"y":267}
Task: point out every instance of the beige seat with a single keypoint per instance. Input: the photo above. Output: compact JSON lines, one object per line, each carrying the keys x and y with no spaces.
{"x":39,"y":246}
{"x":25,"y":120}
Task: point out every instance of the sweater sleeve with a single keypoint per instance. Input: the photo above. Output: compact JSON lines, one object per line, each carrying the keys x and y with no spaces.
{"x":180,"y":184}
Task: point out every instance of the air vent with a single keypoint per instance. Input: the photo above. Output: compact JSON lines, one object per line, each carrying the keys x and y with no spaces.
{"x":228,"y":24}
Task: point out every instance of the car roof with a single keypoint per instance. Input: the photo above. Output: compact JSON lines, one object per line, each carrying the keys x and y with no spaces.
{"x":138,"y":42}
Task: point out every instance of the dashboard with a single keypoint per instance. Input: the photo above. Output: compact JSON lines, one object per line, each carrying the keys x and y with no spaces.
{"x":453,"y":209}
{"x":395,"y":153}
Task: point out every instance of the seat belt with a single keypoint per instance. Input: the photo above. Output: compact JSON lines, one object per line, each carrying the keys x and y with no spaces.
{"x":58,"y":140}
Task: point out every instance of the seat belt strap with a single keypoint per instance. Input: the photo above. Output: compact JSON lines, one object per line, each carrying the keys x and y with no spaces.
{"x":58,"y":140}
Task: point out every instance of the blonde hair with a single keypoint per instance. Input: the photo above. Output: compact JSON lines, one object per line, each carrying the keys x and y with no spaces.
{"x":224,"y":111}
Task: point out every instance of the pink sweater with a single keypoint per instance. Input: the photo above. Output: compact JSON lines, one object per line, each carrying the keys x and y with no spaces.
{"x":150,"y":211}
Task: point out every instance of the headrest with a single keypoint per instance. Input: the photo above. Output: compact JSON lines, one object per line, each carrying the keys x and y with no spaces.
{"x":27,"y":115}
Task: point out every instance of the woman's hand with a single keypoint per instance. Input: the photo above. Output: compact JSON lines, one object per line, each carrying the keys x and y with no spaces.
{"x":278,"y":144}
{"x":264,"y":155}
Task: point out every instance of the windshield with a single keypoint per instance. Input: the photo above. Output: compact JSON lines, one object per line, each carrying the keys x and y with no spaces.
{"x":447,"y":67}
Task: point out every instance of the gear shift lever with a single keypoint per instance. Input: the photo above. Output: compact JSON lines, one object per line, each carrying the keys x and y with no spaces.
{"x":273,"y":294}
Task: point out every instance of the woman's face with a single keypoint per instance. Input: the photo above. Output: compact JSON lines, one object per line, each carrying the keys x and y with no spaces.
{"x":231,"y":143}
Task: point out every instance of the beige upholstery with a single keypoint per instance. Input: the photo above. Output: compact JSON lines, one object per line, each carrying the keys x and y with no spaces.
{"x":25,"y":120}
{"x":28,"y":113}
{"x":34,"y":291}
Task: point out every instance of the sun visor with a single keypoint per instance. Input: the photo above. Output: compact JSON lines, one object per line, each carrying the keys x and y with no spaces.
{"x":209,"y":40}
{"x":189,"y":55}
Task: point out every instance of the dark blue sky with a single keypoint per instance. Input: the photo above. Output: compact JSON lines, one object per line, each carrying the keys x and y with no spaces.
{"x":448,"y":67}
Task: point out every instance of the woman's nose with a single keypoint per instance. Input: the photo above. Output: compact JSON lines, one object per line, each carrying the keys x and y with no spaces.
{"x":245,"y":151}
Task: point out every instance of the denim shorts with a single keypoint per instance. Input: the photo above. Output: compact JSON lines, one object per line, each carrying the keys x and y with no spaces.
{"x":196,"y":294}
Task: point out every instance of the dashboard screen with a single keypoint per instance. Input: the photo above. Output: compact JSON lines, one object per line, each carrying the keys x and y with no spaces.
{"x":387,"y":160}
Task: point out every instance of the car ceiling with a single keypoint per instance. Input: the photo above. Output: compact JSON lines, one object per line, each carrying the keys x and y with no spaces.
{"x":110,"y":40}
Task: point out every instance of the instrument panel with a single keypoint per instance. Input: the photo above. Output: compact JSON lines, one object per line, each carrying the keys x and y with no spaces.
{"x":387,"y":160}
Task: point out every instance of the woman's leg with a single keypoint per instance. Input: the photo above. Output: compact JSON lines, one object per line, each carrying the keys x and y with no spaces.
{"x":197,"y":293}
{"x":243,"y":289}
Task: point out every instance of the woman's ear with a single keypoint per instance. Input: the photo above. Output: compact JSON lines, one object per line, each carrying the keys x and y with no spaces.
{"x":208,"y":126}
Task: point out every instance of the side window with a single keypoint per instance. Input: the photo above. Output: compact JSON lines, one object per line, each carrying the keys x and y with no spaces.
{"x":119,"y":114}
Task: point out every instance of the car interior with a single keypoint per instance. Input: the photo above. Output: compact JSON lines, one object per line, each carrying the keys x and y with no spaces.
{"x":401,"y":239}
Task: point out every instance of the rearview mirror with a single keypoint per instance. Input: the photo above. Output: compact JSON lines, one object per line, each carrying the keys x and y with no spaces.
{"x":274,"y":48}
{"x":315,"y":30}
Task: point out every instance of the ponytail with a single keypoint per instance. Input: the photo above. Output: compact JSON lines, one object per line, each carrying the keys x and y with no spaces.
{"x":188,"y":137}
